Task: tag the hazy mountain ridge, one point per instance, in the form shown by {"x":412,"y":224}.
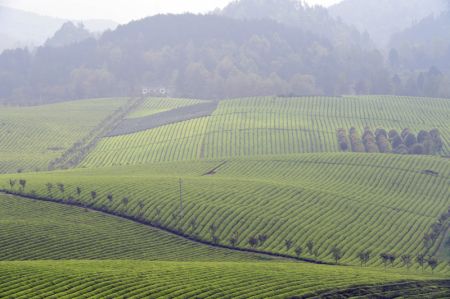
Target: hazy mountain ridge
{"x":69,"y":34}
{"x":424,"y":45}
{"x":26,"y":29}
{"x":295,"y":13}
{"x":383,"y":18}
{"x":196,"y":56}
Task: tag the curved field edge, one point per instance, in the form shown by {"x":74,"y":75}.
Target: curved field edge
{"x":357,"y":202}
{"x":36,"y":230}
{"x":139,"y":279}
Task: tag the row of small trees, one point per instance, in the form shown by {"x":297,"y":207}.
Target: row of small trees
{"x":259,"y":240}
{"x":406,"y":142}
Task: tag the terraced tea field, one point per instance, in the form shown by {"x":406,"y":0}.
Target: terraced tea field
{"x":139,"y":261}
{"x":273,"y":126}
{"x":141,"y":279}
{"x":33,"y":136}
{"x":32,"y":230}
{"x":384,"y":203}
{"x":237,"y":204}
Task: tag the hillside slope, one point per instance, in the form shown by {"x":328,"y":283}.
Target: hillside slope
{"x":34,"y":230}
{"x":273,"y":126}
{"x":33,"y":136}
{"x":384,"y":203}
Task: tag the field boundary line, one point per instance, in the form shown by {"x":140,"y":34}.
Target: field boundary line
{"x":168,"y":230}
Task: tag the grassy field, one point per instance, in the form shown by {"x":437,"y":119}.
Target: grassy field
{"x":273,"y":126}
{"x":141,"y":279}
{"x":33,"y":136}
{"x":383,"y":203}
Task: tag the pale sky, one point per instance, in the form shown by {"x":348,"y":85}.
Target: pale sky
{"x":121,"y":10}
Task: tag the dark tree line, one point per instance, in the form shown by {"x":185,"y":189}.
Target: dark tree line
{"x":336,"y":252}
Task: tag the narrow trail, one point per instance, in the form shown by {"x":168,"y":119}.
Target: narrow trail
{"x":145,"y":222}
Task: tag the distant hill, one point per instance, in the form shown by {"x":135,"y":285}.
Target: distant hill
{"x":193,"y":56}
{"x":382,"y":18}
{"x":68,"y":34}
{"x":314,"y":19}
{"x":425,"y":44}
{"x":26,"y":29}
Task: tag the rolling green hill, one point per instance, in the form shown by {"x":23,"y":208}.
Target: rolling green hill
{"x":272,"y":126}
{"x":33,"y":136}
{"x":262,"y":180}
{"x":379,"y":202}
{"x":115,"y":258}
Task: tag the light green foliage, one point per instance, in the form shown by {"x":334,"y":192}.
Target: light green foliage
{"x":273,"y":126}
{"x":377,"y":202}
{"x":156,"y":105}
{"x":33,"y":230}
{"x":140,"y":279}
{"x":30,"y":137}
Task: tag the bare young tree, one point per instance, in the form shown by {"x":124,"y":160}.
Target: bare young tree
{"x":78,"y":190}
{"x":288,"y":244}
{"x":23,"y":184}
{"x":253,"y":242}
{"x":337,"y":254}
{"x":12,"y":183}
{"x":262,"y":239}
{"x":420,"y":259}
{"x":406,"y":260}
{"x":298,"y":251}
{"x":433,"y":263}
{"x":364,"y":257}
{"x":310,"y":247}
{"x":49,"y":189}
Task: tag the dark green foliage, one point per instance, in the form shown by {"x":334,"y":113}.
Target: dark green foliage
{"x":344,"y":144}
{"x":355,"y":141}
{"x":368,"y":139}
{"x":410,"y":140}
{"x":418,"y":149}
{"x":426,"y":143}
